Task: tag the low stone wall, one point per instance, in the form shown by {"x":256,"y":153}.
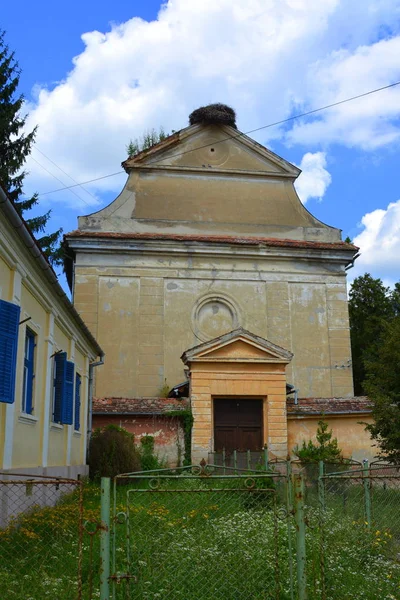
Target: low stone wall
{"x":352,"y":438}
{"x":167,"y":432}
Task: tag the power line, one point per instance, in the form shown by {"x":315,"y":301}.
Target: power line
{"x":83,"y":183}
{"x":65,"y":173}
{"x":55,"y":177}
{"x":240,"y":134}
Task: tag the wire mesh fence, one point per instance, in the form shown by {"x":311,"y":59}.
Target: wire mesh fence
{"x":40,"y":538}
{"x":202,"y":535}
{"x":212,"y":531}
{"x":359,"y":533}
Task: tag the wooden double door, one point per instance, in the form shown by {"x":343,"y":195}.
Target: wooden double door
{"x":238,"y":424}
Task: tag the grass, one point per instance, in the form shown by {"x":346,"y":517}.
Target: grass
{"x":215,"y":539}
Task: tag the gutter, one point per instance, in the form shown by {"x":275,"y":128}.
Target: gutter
{"x":136,"y":414}
{"x":92,"y":366}
{"x":28,"y":239}
{"x":41,"y":260}
{"x":329,"y":414}
{"x":351,"y":264}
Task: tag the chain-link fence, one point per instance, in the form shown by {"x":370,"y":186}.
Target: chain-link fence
{"x":359,"y":533}
{"x":322,"y":532}
{"x":201,"y":535}
{"x":40,"y":538}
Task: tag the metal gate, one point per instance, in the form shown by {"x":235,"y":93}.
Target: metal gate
{"x":198,"y":532}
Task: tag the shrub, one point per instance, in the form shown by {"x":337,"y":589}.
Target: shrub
{"x":325,"y":449}
{"x":112,"y":451}
{"x":149,"y":461}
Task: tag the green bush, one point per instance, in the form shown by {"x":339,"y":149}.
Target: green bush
{"x":149,"y":461}
{"x":325,"y":449}
{"x":112,"y":451}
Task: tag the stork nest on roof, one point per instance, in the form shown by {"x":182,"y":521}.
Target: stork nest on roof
{"x":213,"y":114}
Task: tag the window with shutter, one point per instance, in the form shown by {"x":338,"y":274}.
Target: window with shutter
{"x":67,"y":410}
{"x":9,"y":322}
{"x":77,"y":416}
{"x":63,"y":405}
{"x":60,"y":361}
{"x":29,"y":372}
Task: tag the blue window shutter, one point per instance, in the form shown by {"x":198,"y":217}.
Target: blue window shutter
{"x":67,"y":409}
{"x":77,"y":419}
{"x":29,"y":362}
{"x":60,"y":363}
{"x":9,"y":322}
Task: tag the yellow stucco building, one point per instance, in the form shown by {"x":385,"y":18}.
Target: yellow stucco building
{"x":209,"y":239}
{"x":47,"y":356}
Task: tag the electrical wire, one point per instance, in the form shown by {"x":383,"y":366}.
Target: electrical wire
{"x":55,"y":177}
{"x":65,"y":173}
{"x":240,"y":134}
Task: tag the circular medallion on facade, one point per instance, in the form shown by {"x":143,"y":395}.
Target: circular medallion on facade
{"x":213,"y":316}
{"x":215,"y":154}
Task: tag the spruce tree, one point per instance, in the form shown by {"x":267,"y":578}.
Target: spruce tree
{"x":15,"y":146}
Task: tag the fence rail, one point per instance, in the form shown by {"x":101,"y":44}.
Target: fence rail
{"x":283,"y":530}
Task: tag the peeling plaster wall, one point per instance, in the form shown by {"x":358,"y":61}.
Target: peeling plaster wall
{"x":147,"y":308}
{"x":167,"y":432}
{"x":148,"y":301}
{"x":352,"y":438}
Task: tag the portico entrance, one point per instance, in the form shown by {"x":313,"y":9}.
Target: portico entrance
{"x":238,"y":394}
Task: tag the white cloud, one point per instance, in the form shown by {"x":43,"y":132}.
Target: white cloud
{"x":314,"y":178}
{"x":368,"y":122}
{"x":267,"y":60}
{"x":379,"y":244}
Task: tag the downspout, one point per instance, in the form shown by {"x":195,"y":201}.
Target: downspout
{"x":90,"y":401}
{"x":351,"y":263}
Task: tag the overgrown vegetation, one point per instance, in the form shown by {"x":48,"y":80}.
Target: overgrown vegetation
{"x":325,"y":449}
{"x":187,"y":419}
{"x":383,"y":387}
{"x":214,"y":540}
{"x":375,"y":341}
{"x":147,"y":140}
{"x":15,"y":147}
{"x":148,"y":460}
{"x":113,"y":451}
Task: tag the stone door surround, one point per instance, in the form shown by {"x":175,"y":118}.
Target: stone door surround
{"x":238,"y":364}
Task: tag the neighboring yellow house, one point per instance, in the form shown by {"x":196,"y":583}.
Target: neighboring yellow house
{"x":209,"y":239}
{"x":47,"y":356}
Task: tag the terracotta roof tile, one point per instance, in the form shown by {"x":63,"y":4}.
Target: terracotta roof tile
{"x":218,"y":239}
{"x":319,"y":406}
{"x":126,"y":406}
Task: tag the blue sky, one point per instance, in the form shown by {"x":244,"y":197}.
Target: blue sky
{"x":136,"y":68}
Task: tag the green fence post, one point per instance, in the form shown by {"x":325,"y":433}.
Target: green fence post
{"x":266,"y":457}
{"x":299,"y":490}
{"x":367,"y":493}
{"x":321,"y":486}
{"x":321,"y":514}
{"x":105,"y":539}
{"x":235,"y":460}
{"x":289,"y":483}
{"x":289,"y":506}
{"x":248,"y":460}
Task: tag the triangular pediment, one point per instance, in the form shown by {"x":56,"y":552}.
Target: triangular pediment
{"x":214,"y":147}
{"x":238,"y":345}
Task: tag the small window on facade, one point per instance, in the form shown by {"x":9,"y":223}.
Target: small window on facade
{"x":29,"y":372}
{"x":77,"y":406}
{"x":63,"y":396}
